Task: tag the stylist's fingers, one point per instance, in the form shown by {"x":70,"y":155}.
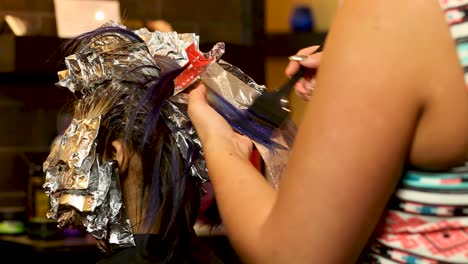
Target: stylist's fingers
{"x":304,"y":88}
{"x":311,"y":62}
{"x":206,"y":120}
{"x":197,"y":104}
{"x":309,"y":59}
{"x":198,"y":95}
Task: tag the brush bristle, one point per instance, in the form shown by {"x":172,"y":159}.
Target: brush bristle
{"x":244,"y":122}
{"x":268,"y":110}
{"x":272,"y":108}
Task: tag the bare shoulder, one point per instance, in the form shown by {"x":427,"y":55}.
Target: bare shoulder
{"x":387,"y":87}
{"x":406,"y":46}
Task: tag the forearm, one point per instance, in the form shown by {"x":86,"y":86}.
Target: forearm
{"x":244,"y":197}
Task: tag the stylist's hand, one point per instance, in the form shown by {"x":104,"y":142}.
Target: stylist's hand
{"x":212,"y":129}
{"x":310,"y":60}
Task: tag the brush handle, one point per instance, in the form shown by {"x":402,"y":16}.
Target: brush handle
{"x":285,"y":90}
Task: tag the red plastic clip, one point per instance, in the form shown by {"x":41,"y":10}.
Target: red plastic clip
{"x":198,"y":64}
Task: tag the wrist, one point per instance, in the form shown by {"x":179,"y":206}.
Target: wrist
{"x":225,"y":145}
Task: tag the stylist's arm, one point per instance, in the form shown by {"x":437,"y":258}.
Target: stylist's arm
{"x":227,"y":156}
{"x":355,"y":138}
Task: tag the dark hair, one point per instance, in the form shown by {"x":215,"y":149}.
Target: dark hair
{"x":130,"y":104}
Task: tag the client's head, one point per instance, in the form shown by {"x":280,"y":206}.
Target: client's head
{"x":119,"y":131}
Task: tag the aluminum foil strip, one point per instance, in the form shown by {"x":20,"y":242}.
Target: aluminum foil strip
{"x":239,"y":74}
{"x":90,"y":68}
{"x":107,"y":56}
{"x":231,"y":88}
{"x":84,"y":191}
{"x":170,"y":44}
{"x":64,"y":166}
{"x":175,"y":115}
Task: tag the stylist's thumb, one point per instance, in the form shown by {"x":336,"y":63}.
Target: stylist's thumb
{"x":197,"y":100}
{"x":197,"y":105}
{"x":197,"y":95}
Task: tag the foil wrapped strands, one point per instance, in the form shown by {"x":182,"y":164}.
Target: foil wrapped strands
{"x":84,"y":191}
{"x":80,"y":202}
{"x":239,"y":74}
{"x":234,"y":90}
{"x":112,"y":54}
{"x":169,"y":44}
{"x":92,"y":67}
{"x":176,"y":118}
{"x":64,"y":166}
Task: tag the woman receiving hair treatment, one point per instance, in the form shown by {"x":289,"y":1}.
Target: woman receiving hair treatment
{"x":119,"y":140}
{"x":130,"y":169}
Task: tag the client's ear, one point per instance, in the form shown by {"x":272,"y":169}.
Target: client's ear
{"x":120,"y":154}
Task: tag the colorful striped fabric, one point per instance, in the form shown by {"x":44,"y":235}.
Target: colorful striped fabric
{"x":427,"y":219}
{"x":453,"y":180}
{"x":456,"y":14}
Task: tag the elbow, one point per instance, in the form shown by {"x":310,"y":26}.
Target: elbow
{"x":266,"y":248}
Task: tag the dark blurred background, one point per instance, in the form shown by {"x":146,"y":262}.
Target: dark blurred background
{"x":33,"y":111}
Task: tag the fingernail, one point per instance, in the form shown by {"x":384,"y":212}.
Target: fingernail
{"x":298,"y":57}
{"x":309,"y":88}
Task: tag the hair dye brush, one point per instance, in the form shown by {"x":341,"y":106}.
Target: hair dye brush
{"x":272,"y":108}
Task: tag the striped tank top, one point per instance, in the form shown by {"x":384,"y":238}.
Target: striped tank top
{"x":427,"y":218}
